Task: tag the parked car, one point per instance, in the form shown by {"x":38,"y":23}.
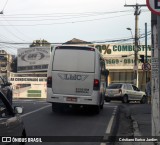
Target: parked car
{"x":6,"y":88}
{"x":11,"y":124}
{"x":125,"y":92}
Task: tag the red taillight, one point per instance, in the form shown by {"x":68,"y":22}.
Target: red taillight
{"x":96,"y":85}
{"x":92,"y":49}
{"x":49,"y":82}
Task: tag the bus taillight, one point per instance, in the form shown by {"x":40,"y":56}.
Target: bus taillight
{"x":49,"y":82}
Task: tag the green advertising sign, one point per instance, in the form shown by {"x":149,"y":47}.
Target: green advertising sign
{"x":109,"y":49}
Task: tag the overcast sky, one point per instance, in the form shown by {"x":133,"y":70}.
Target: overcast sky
{"x":58,"y":21}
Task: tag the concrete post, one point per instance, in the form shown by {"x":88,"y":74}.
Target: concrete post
{"x":155,"y":75}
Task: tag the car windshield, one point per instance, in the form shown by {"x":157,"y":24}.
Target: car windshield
{"x":115,"y":86}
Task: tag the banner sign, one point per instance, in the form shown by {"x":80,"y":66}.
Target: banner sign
{"x":120,"y":49}
{"x":33,"y":59}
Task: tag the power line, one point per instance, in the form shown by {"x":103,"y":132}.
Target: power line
{"x":33,"y":19}
{"x":66,"y":14}
{"x":36,"y":18}
{"x":69,"y":22}
{"x":114,"y":40}
{"x":5,"y":5}
{"x":17,"y":31}
{"x":12,"y":33}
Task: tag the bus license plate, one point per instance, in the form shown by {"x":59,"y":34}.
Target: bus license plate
{"x":71,"y":99}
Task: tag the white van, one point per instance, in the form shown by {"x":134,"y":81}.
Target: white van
{"x":76,"y":77}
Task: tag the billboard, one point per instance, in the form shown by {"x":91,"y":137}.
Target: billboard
{"x":29,"y":85}
{"x":33,"y":59}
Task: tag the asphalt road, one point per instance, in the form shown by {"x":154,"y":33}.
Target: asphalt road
{"x":70,"y":125}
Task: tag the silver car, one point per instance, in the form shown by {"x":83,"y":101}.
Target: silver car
{"x":125,"y":92}
{"x":11,"y":123}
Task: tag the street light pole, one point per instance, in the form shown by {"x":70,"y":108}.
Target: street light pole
{"x":130,"y":31}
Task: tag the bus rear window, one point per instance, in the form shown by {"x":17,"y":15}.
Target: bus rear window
{"x":73,"y":60}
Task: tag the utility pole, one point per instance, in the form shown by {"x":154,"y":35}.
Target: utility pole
{"x":136,"y":13}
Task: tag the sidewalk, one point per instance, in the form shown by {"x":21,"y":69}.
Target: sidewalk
{"x":135,"y":121}
{"x":29,"y":99}
{"x":141,"y":117}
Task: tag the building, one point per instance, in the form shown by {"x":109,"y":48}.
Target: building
{"x":30,"y":81}
{"x":5,"y":63}
{"x":120,"y":62}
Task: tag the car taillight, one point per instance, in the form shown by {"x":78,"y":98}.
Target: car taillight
{"x":49,"y":82}
{"x":96,"y":85}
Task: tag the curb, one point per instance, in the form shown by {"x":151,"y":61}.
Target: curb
{"x":137,"y":133}
{"x":123,"y":116}
{"x":29,"y":100}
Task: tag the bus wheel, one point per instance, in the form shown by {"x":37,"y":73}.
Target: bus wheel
{"x":55,"y":107}
{"x":96,"y":109}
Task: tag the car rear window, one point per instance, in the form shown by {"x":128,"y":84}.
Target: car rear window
{"x":76,"y":60}
{"x":115,"y":86}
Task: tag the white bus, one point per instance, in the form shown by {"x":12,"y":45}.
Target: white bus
{"x":76,"y":77}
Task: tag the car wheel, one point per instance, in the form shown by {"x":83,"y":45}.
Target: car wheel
{"x":125,"y":99}
{"x":143,"y":100}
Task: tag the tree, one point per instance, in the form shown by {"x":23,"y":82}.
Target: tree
{"x":37,"y":43}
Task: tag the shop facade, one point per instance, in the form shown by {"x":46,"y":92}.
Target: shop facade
{"x":120,"y":62}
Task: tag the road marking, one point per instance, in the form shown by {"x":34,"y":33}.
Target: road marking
{"x":35,"y":111}
{"x":110,"y":125}
{"x":103,"y":143}
{"x":111,"y":121}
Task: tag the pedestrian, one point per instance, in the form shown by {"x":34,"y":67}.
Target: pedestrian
{"x":148,"y":90}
